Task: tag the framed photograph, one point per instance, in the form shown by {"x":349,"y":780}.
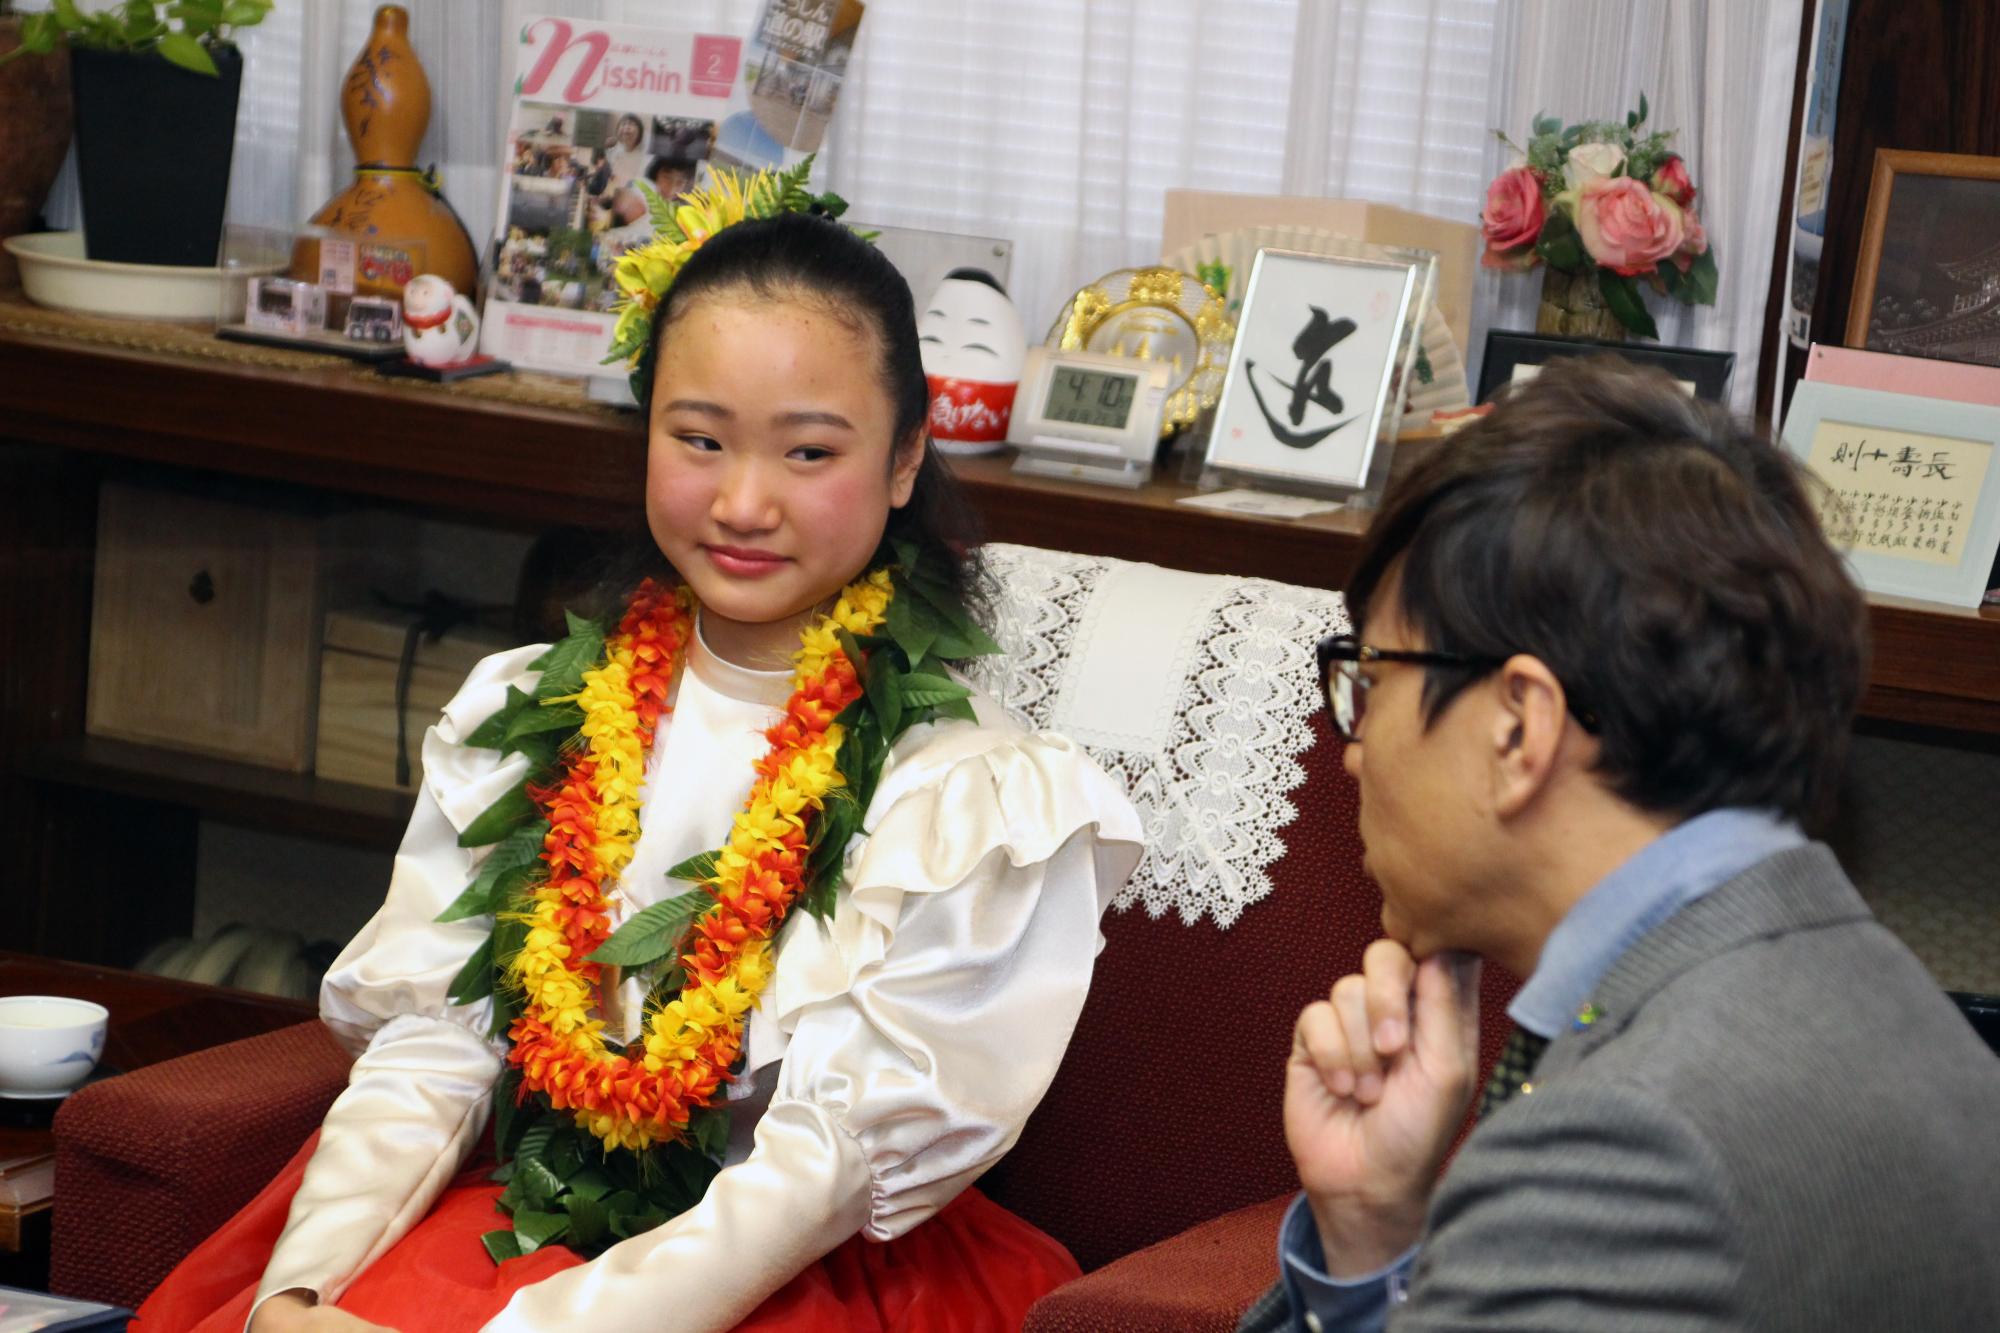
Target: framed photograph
{"x":1928,"y":278}
{"x":1317,"y":369}
{"x":1912,"y":487}
{"x":1512,"y":358}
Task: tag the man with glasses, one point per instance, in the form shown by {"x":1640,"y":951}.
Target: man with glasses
{"x":1602,"y":678}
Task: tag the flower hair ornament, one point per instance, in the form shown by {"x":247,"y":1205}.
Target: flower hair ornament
{"x":644,"y":273}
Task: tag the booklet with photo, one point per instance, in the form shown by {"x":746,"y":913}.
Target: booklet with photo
{"x":39,"y":1312}
{"x":799,"y":52}
{"x":597,"y":109}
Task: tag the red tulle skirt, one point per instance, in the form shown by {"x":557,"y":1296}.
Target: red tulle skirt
{"x":973,"y":1268}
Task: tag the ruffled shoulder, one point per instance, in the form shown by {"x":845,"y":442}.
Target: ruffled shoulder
{"x":462,"y":779}
{"x":952,"y":795}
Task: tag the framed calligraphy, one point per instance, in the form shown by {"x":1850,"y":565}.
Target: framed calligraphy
{"x":1512,"y":358}
{"x":1910,"y":487}
{"x":1318,"y":372}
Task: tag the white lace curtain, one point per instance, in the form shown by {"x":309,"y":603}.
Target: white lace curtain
{"x":1061,"y":123}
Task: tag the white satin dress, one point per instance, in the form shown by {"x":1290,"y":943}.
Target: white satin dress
{"x":895,"y":1056}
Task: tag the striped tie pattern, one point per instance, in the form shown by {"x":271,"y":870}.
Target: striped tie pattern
{"x":1516,"y":1066}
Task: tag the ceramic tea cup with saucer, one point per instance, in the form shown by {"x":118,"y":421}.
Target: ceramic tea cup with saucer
{"x":48,"y":1044}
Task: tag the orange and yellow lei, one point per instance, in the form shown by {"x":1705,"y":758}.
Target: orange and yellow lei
{"x":631,"y":1100}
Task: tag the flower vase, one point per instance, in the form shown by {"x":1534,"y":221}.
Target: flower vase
{"x":1572,"y":306}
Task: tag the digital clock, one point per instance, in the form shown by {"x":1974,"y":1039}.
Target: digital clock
{"x":1089,"y":415}
{"x":1080,"y":396}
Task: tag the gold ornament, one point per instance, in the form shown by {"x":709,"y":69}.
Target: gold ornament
{"x":1155,"y":314}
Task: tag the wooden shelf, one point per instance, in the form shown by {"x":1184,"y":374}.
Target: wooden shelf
{"x":247,"y":795}
{"x":347,"y":429}
{"x":343,"y":428}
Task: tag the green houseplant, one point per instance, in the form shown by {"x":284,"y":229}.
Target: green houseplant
{"x":186,"y":32}
{"x":156,"y":88}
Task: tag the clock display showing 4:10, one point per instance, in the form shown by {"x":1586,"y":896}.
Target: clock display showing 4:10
{"x":1090,"y":397}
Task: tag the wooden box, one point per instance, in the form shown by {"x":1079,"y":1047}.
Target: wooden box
{"x":204,"y":626}
{"x":357,"y":692}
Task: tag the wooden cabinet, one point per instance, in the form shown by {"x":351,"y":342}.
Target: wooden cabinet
{"x":85,"y":819}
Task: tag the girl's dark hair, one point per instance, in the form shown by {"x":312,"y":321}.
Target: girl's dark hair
{"x":805,"y":257}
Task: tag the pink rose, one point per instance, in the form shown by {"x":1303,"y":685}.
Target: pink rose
{"x":1694,"y":241}
{"x":1625,"y":226}
{"x":1670,"y":178}
{"x":1512,"y":219}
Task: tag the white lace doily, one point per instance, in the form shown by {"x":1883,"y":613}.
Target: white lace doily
{"x":1196,"y":691}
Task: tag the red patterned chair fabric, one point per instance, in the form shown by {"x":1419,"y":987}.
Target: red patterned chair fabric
{"x":149,"y":1164}
{"x":1167,"y":1109}
{"x":1158,"y":1156}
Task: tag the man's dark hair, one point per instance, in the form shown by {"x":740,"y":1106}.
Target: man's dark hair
{"x":1664,"y":562}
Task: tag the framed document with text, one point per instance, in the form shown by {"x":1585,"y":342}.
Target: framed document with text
{"x":1911,"y":487}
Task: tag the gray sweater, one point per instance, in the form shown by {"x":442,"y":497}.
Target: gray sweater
{"x":1779,"y":1122}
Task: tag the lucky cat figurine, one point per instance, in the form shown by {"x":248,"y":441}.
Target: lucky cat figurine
{"x":440,"y":327}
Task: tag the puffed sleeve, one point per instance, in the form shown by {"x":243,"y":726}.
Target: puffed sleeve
{"x":422,"y":1081}
{"x":917,"y":1030}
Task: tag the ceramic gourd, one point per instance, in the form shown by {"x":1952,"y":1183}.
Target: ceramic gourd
{"x":386,"y":104}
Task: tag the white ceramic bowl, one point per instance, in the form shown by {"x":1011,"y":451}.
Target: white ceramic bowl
{"x":48,"y":1044}
{"x":56,"y":273}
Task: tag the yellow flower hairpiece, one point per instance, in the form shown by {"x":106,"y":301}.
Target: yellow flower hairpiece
{"x":644,"y":273}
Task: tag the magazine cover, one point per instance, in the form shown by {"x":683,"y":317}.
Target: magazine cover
{"x":796,"y":66}
{"x":597,"y":109}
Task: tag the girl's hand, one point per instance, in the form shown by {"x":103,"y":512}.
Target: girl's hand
{"x":293,"y":1312}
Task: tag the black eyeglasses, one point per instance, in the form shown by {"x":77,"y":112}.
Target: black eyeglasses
{"x":1346,"y":689}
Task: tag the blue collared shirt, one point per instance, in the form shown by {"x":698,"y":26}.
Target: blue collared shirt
{"x":1664,"y":876}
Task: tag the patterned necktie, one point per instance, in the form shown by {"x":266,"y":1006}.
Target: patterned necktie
{"x":1516,"y":1066}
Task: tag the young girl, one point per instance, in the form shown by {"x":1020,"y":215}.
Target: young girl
{"x":890,"y":1050}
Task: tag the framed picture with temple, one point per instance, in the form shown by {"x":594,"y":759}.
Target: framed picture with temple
{"x":1927,"y":275}
{"x":1318,"y":373}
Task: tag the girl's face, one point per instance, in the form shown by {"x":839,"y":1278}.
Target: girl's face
{"x":628,"y":133}
{"x":769,"y":474}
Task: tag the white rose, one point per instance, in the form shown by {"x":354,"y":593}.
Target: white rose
{"x":1591,"y":161}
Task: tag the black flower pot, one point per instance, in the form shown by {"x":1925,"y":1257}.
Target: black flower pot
{"x":153,"y":143}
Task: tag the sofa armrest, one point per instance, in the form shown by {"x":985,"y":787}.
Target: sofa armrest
{"x":1200,"y":1281}
{"x":150,"y":1163}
